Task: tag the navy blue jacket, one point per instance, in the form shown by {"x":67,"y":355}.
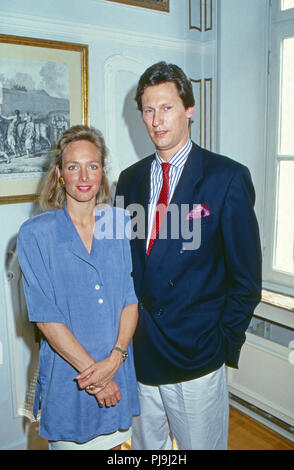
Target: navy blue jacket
{"x":195,"y":305}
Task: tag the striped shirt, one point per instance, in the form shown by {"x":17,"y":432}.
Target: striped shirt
{"x":177,"y":163}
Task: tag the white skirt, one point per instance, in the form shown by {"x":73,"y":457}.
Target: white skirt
{"x":102,"y":442}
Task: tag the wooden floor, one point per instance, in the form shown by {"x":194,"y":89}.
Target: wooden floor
{"x":246,"y":433}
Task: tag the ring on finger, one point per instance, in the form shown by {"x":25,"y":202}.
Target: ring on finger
{"x":90,"y":387}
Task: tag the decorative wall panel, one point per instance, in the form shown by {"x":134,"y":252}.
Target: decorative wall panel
{"x":208,"y":113}
{"x":208,"y":13}
{"x":195,"y":14}
{"x":125,"y":132}
{"x":23,"y":348}
{"x":197,"y":118}
{"x":202,"y":127}
{"x":201,"y":13}
{"x":260,"y":383}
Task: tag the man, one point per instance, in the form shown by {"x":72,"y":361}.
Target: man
{"x":195,"y":299}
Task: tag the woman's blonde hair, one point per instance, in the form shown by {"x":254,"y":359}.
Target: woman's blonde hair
{"x":52,"y":195}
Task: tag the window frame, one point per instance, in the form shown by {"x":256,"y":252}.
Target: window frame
{"x":281,"y":25}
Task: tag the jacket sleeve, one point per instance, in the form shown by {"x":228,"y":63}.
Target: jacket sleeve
{"x":120,"y":196}
{"x":242,"y":253}
{"x":38,"y":288}
{"x":130,"y":296}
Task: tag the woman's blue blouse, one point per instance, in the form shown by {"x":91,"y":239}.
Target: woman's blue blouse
{"x":63,"y":283}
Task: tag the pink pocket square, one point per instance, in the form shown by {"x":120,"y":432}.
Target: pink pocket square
{"x":200,"y":210}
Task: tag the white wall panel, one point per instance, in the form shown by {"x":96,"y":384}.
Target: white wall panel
{"x":265,"y":378}
{"x":125,"y":131}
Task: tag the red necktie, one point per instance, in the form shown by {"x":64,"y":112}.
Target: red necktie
{"x":161,"y":207}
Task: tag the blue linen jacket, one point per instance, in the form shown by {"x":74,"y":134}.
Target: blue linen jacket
{"x":63,"y":283}
{"x":195,"y":305}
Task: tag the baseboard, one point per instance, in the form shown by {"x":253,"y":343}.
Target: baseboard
{"x":272,"y":422}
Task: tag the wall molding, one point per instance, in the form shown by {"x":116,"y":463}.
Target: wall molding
{"x":208,"y":112}
{"x":204,"y":101}
{"x":35,"y":26}
{"x":198,"y":27}
{"x":208,"y":15}
{"x":112,"y":67}
{"x":197,"y":89}
{"x":204,"y":13}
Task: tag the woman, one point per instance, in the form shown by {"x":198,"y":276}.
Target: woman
{"x":80,"y":293}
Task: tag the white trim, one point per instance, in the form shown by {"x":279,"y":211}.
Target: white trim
{"x":259,"y":384}
{"x":35,"y":26}
{"x":268,"y":346}
{"x":275,"y":314}
{"x":112,"y":66}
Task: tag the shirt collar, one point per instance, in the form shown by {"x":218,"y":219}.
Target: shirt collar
{"x":179,"y":159}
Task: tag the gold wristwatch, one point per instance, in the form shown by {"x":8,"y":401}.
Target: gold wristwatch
{"x":123,"y":352}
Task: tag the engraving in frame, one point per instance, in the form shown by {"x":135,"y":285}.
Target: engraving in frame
{"x":44,"y":89}
{"x":162,"y":5}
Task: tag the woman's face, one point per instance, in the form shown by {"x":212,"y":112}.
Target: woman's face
{"x":82,"y":171}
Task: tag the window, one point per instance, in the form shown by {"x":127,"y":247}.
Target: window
{"x":279,"y":216}
{"x":287,"y":4}
{"x":284,"y":249}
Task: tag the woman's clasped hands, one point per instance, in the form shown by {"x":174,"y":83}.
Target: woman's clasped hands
{"x":98,"y":380}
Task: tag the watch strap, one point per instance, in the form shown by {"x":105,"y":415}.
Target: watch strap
{"x":123,"y":352}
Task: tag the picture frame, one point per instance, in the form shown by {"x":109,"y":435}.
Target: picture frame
{"x":43,"y":91}
{"x":162,"y":5}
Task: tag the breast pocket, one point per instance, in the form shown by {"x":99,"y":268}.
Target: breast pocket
{"x":195,"y":232}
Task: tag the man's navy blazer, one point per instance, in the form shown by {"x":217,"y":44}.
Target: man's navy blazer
{"x":195,"y":305}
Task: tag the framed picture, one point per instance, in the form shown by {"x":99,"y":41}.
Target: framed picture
{"x":162,"y":5}
{"x":43,"y":91}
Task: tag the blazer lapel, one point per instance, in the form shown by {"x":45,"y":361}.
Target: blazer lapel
{"x":142,"y":198}
{"x":192,"y":174}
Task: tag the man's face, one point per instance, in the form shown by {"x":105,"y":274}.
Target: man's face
{"x":166,"y":119}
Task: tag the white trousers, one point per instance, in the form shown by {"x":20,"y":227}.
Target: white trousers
{"x":195,"y":413}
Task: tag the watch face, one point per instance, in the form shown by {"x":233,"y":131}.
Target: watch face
{"x":122,"y":351}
